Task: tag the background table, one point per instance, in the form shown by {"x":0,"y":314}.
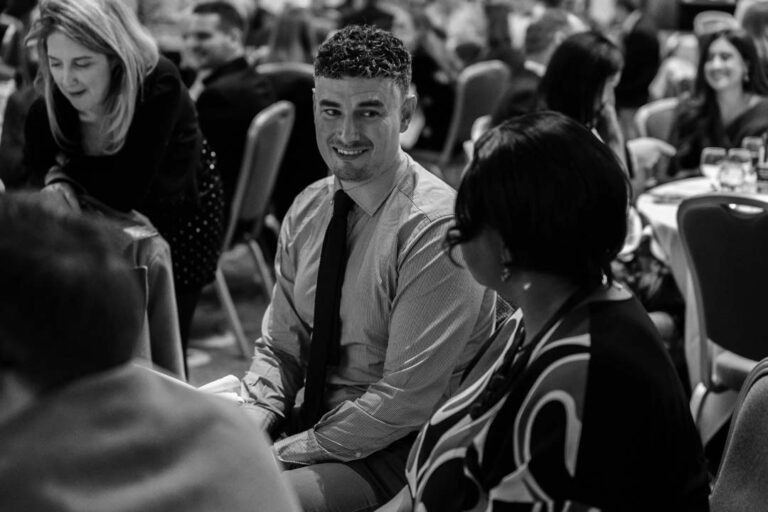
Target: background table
{"x":659,"y":206}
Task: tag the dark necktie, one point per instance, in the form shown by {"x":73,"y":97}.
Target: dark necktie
{"x":324,"y":348}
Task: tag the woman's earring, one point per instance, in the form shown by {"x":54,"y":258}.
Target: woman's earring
{"x":505,"y":274}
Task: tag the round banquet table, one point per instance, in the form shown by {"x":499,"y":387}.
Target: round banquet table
{"x":659,"y":206}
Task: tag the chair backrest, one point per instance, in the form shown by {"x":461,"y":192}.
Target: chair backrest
{"x":707,"y":22}
{"x":725,"y":238}
{"x":655,"y":119}
{"x":478,"y":89}
{"x":264,"y":148}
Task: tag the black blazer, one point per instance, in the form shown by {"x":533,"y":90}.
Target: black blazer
{"x":156,"y":168}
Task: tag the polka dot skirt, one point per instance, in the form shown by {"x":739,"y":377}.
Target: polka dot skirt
{"x":195,"y":235}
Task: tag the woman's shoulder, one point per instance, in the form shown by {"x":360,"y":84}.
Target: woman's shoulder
{"x":164,"y":79}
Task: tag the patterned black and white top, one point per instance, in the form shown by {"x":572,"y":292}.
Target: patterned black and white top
{"x":593,"y":418}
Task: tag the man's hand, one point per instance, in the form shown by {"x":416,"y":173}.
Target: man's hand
{"x":61,"y":198}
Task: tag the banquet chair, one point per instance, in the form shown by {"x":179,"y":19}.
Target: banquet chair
{"x":725,"y":240}
{"x":479,"y":88}
{"x":264,"y":148}
{"x":739,"y":484}
{"x":302,"y":164}
{"x":655,"y":119}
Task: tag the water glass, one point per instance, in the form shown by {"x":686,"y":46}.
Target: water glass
{"x":755,"y":147}
{"x":744,"y":158}
{"x":711,"y":160}
{"x":731,"y":176}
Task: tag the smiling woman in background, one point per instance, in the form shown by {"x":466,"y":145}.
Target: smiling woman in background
{"x":729,"y":101}
{"x":116,"y":123}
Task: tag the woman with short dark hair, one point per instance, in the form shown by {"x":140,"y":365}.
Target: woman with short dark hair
{"x":574,"y":403}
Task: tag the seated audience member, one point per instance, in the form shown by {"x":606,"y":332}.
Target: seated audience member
{"x":164,"y":20}
{"x":729,"y":100}
{"x":81,"y":427}
{"x":542,"y":37}
{"x":293,"y":38}
{"x":574,"y":403}
{"x":229,"y":91}
{"x":378,"y":344}
{"x":642,"y":55}
{"x":677,"y":71}
{"x":12,"y":138}
{"x":580,"y":82}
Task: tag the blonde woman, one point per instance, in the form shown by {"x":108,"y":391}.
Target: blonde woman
{"x":116,"y":123}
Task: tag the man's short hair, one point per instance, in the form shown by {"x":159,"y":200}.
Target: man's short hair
{"x":364,"y":52}
{"x":69,"y":304}
{"x":541,"y":33}
{"x":229,"y":17}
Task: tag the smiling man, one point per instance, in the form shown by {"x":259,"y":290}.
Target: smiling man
{"x":379,"y":331}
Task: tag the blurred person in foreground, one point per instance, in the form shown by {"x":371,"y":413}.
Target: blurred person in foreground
{"x":81,"y":427}
{"x":574,"y":403}
{"x":384,"y":343}
{"x":116,"y":124}
{"x":729,"y":102}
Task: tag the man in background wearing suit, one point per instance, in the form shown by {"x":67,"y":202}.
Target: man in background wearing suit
{"x":228,"y":91}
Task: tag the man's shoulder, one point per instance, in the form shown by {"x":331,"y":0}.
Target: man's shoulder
{"x":424,"y":194}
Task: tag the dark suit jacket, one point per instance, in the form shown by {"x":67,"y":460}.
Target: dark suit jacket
{"x":519,"y":98}
{"x":234,"y":93}
{"x":641,"y":63}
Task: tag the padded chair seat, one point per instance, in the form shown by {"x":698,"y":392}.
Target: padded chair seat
{"x":731,"y":370}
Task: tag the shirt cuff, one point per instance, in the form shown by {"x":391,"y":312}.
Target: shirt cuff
{"x":302,"y":449}
{"x":265,"y":419}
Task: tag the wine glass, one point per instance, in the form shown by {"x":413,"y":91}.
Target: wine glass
{"x":742,"y":156}
{"x":755,"y":147}
{"x":711,"y":160}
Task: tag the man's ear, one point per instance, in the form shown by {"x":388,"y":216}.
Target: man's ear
{"x":406,"y":111}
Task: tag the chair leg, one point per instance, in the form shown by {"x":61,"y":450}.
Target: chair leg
{"x":262,"y":267}
{"x":222,"y":290}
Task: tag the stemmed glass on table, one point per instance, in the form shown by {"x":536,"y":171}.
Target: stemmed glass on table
{"x":712,"y":160}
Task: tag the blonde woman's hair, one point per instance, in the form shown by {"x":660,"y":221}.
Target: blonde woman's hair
{"x":107,"y":27}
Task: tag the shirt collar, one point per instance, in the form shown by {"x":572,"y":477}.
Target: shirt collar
{"x":369,"y":195}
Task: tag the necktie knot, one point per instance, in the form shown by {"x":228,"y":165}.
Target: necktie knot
{"x":342,"y":203}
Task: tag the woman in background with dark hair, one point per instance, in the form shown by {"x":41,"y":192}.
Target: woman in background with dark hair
{"x":580,"y":81}
{"x":574,"y":403}
{"x":729,"y":100}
